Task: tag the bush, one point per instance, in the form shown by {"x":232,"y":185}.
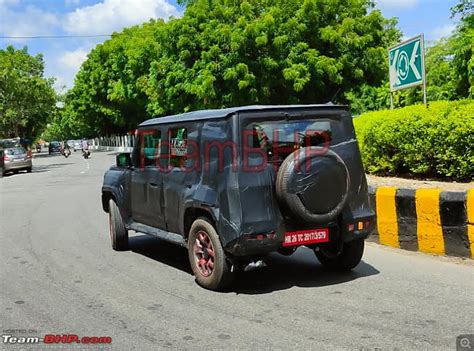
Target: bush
{"x":437,"y":141}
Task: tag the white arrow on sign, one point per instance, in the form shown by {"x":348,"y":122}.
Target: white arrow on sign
{"x":412,"y":61}
{"x":393,"y":69}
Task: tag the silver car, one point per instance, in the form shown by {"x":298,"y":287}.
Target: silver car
{"x":16,"y":159}
{"x":77,"y":145}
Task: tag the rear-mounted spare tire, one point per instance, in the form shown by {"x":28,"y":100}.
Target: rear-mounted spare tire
{"x":312,"y":184}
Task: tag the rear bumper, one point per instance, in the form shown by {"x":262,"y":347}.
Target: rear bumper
{"x":256,"y":244}
{"x":12,"y":165}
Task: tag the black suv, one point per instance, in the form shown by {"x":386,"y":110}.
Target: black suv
{"x":234,"y":184}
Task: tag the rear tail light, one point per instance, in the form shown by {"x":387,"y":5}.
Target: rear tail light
{"x":360,"y":226}
{"x":29,"y":154}
{"x":260,"y":236}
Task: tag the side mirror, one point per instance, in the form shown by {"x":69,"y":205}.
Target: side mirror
{"x":123,"y":160}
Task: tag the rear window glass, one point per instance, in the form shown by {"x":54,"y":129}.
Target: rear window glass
{"x":299,"y":133}
{"x":15,"y":151}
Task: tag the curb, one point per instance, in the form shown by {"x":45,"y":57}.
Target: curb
{"x":426,"y":220}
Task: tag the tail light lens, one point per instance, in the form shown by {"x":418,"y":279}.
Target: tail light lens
{"x":5,"y":157}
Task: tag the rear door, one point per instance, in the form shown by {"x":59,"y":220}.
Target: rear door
{"x":146,"y":182}
{"x":182,"y":151}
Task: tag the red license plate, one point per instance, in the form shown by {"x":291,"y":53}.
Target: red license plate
{"x":306,"y":237}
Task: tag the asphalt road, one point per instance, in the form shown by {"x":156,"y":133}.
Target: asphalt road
{"x":59,"y":275}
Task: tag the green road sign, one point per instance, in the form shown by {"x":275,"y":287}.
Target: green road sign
{"x":407,"y":64}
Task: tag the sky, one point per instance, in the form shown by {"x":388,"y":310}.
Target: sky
{"x":63,"y":57}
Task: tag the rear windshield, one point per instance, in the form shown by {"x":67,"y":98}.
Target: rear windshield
{"x":279,"y":136}
{"x":15,"y":151}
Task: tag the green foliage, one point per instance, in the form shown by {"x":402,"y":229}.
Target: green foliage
{"x":27,"y":99}
{"x":449,"y":71}
{"x":109,"y":90}
{"x":463,"y":61}
{"x":223,"y":53}
{"x":436,"y":142}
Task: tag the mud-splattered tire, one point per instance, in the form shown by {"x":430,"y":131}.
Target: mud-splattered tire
{"x":118,"y":232}
{"x":207,"y":257}
{"x":349,"y":257}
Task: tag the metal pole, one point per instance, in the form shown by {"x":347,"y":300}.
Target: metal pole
{"x":424,"y":69}
{"x":391,"y":101}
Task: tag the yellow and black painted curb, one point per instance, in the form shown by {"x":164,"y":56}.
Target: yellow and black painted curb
{"x":426,"y":220}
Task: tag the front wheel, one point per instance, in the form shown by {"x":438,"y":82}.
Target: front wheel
{"x":347,"y":258}
{"x":118,"y":232}
{"x":207,"y":257}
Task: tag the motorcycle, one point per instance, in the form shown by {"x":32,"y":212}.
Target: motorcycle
{"x":66,"y":152}
{"x":86,"y":153}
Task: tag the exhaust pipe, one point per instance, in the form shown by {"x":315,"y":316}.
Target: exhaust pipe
{"x":254,"y":265}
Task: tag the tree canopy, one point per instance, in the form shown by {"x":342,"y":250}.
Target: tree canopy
{"x":223,"y":53}
{"x":27,"y":99}
{"x":449,"y":70}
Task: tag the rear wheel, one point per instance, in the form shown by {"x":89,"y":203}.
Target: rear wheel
{"x":344,"y":259}
{"x":118,"y":232}
{"x":28,"y":170}
{"x":207,"y":257}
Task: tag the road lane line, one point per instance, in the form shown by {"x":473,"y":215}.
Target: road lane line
{"x":387,"y":224}
{"x":429,"y":230}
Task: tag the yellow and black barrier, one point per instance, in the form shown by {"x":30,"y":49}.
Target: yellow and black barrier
{"x":425,"y":220}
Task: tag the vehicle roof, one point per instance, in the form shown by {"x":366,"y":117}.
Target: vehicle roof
{"x":220,"y":113}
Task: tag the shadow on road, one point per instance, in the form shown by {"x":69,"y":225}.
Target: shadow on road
{"x":45,"y":154}
{"x":37,"y":169}
{"x":46,"y":168}
{"x":302,"y":269}
{"x":161,"y":251}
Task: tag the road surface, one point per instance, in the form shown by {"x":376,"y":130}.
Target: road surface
{"x":59,"y":275}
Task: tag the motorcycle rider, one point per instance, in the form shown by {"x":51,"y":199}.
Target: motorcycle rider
{"x":65,"y":150}
{"x":85,"y":148}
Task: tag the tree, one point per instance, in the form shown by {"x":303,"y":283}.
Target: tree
{"x":225,"y":53}
{"x":109,"y":90}
{"x":221,"y":53}
{"x":27,"y":99}
{"x":462,"y":43}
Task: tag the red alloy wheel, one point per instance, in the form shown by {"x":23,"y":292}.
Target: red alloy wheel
{"x":204,"y":253}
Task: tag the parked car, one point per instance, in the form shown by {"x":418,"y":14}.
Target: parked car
{"x":16,"y":159}
{"x":77,"y":145}
{"x":54,"y":146}
{"x":235,"y":184}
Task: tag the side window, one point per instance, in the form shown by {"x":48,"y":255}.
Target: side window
{"x":178,"y":141}
{"x":150,"y":147}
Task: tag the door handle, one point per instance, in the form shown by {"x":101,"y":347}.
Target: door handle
{"x":154,"y":185}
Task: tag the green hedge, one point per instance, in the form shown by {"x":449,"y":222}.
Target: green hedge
{"x":437,"y":141}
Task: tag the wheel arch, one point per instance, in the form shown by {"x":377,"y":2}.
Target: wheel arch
{"x":106,"y":196}
{"x":193,"y":213}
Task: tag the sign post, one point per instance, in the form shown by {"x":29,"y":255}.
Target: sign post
{"x":407,"y":66}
